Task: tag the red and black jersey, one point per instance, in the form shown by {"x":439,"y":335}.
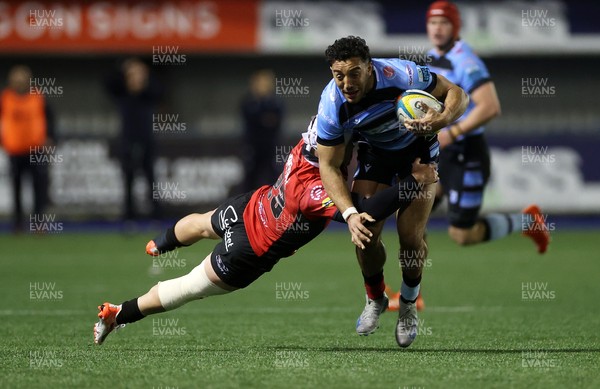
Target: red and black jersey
{"x":281,"y":218}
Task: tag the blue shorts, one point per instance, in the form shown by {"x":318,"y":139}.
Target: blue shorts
{"x":389,"y":166}
{"x":464,"y":172}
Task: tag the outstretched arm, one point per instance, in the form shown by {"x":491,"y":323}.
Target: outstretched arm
{"x":398,"y":197}
{"x":331,"y":158}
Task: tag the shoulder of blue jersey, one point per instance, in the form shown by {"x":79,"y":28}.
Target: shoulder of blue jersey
{"x":399,"y":72}
{"x":329,"y":104}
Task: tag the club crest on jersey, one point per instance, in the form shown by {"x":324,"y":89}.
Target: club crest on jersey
{"x":389,"y":72}
{"x":327,"y":202}
{"x":317,"y":192}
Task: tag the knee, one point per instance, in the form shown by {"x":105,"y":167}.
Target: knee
{"x":154,"y":289}
{"x":193,"y":286}
{"x":412,"y":241}
{"x":374,"y":244}
{"x":460,"y":236}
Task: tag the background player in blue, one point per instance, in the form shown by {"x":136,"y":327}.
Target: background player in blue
{"x":360,"y":101}
{"x":465,"y":161}
{"x":464,"y":157}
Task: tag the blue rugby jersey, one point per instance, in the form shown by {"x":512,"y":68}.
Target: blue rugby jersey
{"x":464,"y":68}
{"x":374,"y":116}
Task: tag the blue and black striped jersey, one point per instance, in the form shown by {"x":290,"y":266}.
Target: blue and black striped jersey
{"x":374,"y":116}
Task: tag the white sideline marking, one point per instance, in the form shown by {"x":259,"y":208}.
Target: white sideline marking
{"x":465,"y":308}
{"x":34,"y":312}
{"x":65,"y":312}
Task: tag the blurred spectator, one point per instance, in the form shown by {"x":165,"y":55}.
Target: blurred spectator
{"x":26,"y":127}
{"x":262,"y":113}
{"x":137,"y":94}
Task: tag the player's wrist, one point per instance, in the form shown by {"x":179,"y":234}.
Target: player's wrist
{"x":349,"y":212}
{"x":455,"y":131}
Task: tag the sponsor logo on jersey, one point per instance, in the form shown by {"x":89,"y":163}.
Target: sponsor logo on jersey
{"x":262,"y":214}
{"x":317,"y":192}
{"x":226,"y":218}
{"x":327,"y":202}
{"x":409,"y":72}
{"x":389,"y":72}
{"x":221,"y":265}
{"x":423,"y":74}
{"x":367,"y":167}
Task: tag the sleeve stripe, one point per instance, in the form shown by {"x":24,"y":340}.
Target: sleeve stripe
{"x":433,"y":84}
{"x":479,"y":83}
{"x":331,"y":142}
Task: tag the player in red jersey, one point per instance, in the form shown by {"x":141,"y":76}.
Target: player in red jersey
{"x":256,"y":229}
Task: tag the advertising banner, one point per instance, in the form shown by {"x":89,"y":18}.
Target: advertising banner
{"x":557,"y":172}
{"x":507,"y":27}
{"x":127,"y":26}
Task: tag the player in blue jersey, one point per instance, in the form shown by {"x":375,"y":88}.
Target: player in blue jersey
{"x":464,"y":158}
{"x":464,"y":161}
{"x":360,"y":102}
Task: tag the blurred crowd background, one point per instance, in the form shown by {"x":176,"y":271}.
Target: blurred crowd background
{"x":158,"y":108}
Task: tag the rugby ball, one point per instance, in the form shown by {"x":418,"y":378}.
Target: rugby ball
{"x":409,"y":104}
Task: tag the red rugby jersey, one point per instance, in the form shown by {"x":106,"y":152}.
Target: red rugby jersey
{"x":283,"y":217}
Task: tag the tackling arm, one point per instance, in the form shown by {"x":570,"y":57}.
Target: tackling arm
{"x":331,"y":158}
{"x":398,"y":197}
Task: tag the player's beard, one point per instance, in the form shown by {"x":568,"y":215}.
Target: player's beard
{"x":446,"y":47}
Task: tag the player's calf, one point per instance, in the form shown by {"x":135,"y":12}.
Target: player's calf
{"x":467,"y":236}
{"x":167,"y":295}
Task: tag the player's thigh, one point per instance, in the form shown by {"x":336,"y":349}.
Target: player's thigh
{"x":412,"y":222}
{"x":206,"y":226}
{"x":367,"y":188}
{"x":464,"y":176}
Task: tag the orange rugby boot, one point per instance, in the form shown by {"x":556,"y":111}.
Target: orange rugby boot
{"x":107,"y":323}
{"x":536,"y":228}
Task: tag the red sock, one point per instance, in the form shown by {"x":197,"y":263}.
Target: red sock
{"x":374,"y":285}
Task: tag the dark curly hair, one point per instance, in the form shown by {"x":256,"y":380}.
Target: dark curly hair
{"x":348,"y":47}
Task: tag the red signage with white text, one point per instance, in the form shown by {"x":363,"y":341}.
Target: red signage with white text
{"x":114,"y":26}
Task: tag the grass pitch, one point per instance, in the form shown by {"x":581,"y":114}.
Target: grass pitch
{"x":497,"y":315}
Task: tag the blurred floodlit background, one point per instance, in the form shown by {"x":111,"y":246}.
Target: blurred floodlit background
{"x":544,"y":57}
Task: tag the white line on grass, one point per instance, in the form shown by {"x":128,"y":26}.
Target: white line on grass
{"x":66,"y":312}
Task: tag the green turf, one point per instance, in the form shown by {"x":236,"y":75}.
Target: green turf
{"x":477,"y":331}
